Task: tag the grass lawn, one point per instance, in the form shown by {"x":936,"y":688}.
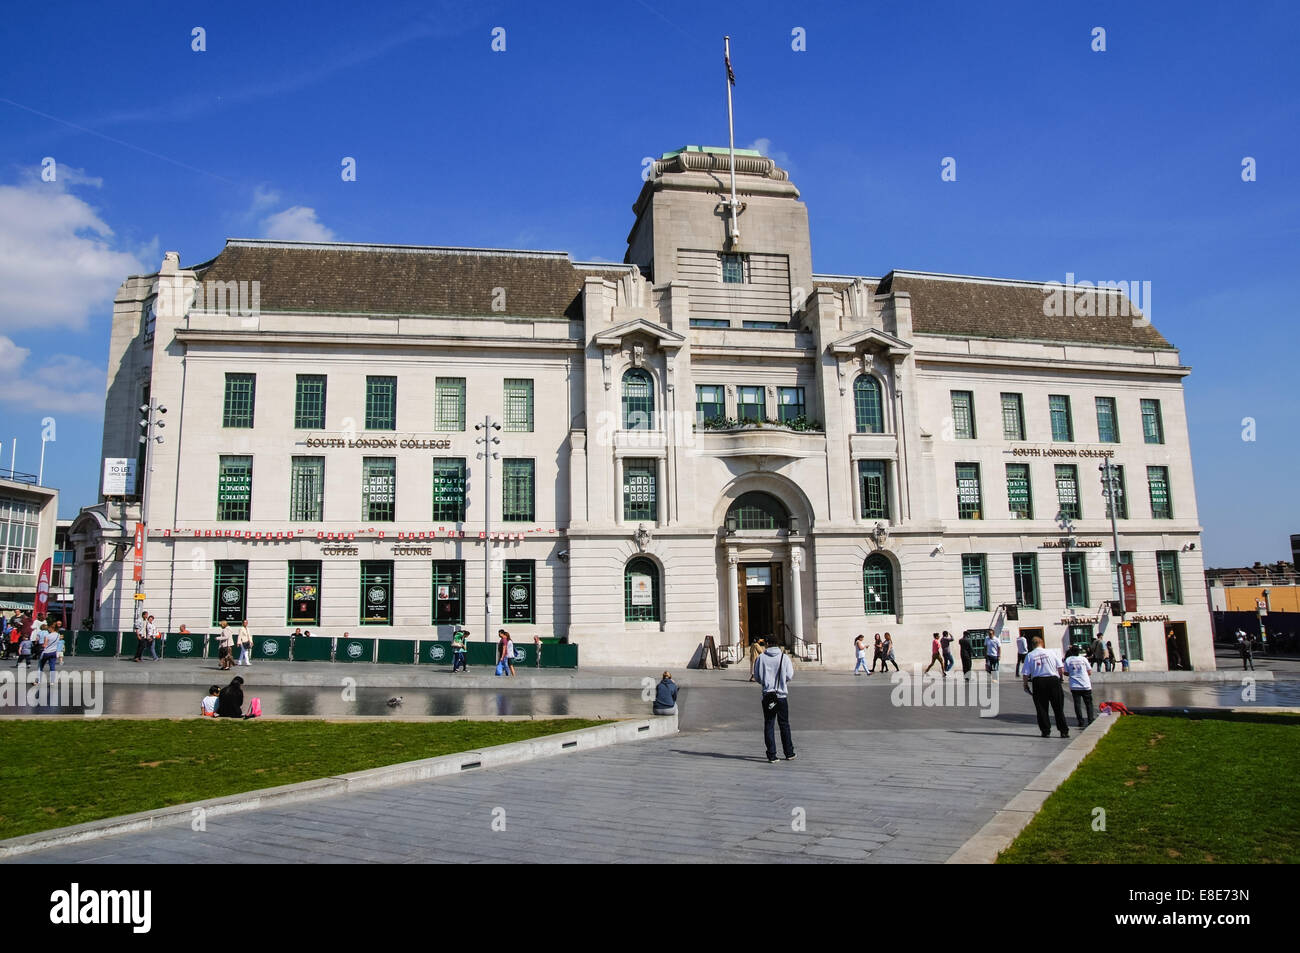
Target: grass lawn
{"x":58,"y":773}
{"x":1175,"y":791}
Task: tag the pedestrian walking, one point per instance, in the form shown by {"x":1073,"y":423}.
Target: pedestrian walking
{"x":151,"y":633}
{"x":245,"y":643}
{"x":992,"y":653}
{"x":537,"y":651}
{"x":224,"y":644}
{"x":946,"y":642}
{"x":936,"y":655}
{"x":1022,"y":649}
{"x":860,"y":651}
{"x":887,"y":653}
{"x":1171,"y":649}
{"x":45,"y":645}
{"x":755,"y":650}
{"x":967,"y":655}
{"x":141,"y":628}
{"x":458,"y":663}
{"x":877,"y":654}
{"x":506,"y":656}
{"x":773,"y":671}
{"x":1245,"y":645}
{"x":1098,"y":653}
{"x":1110,"y":657}
{"x":665,"y":702}
{"x":1042,"y":678}
{"x":1076,"y":668}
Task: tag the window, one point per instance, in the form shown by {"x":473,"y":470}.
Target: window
{"x":235,"y":489}
{"x":1081,"y":635}
{"x":733,"y":269}
{"x":229,"y":589}
{"x":974,"y":583}
{"x":710,"y":403}
{"x":19,"y":526}
{"x":710,"y":323}
{"x":639,"y":490}
{"x":449,"y":489}
{"x":517,"y":491}
{"x":307,"y":489}
{"x":1013,"y":417}
{"x":449,"y":404}
{"x":1062,"y":425}
{"x":376,"y":592}
{"x":976,"y":639}
{"x":756,"y":510}
{"x":877,"y":586}
{"x":379,"y":489}
{"x":237,"y":410}
{"x":517,"y":595}
{"x":1107,"y":421}
{"x":304,"y":593}
{"x":1158,"y":485}
{"x":765,"y":325}
{"x":1076,"y":580}
{"x":641,"y":591}
{"x":790,"y":404}
{"x":963,"y":415}
{"x":970,"y":500}
{"x":751,"y":403}
{"x":638,"y":400}
{"x":1020,"y":499}
{"x":1121,"y":500}
{"x":1125,"y":557}
{"x":1130,"y":642}
{"x":381,"y":403}
{"x":873,"y":488}
{"x":519,"y":405}
{"x":1024,"y":571}
{"x":449,"y":592}
{"x":1153,"y":427}
{"x":1171,"y":585}
{"x":1067,"y":491}
{"x":868,"y":408}
{"x":309,"y":402}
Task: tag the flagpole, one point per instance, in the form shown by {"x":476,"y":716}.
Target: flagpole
{"x":731,"y":134}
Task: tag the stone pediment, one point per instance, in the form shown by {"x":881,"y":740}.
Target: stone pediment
{"x":872,"y":339}
{"x":666,"y":339}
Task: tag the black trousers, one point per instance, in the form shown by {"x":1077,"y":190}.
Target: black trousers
{"x":1082,"y":697}
{"x":777,"y":714}
{"x":1047,"y":691}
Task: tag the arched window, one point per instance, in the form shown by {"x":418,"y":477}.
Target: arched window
{"x":867,"y":405}
{"x":641,"y":591}
{"x":878,"y":586}
{"x":757,"y":511}
{"x":638,"y":400}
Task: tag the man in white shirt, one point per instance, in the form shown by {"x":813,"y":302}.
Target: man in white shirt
{"x":1022,"y":649}
{"x":992,"y":653}
{"x":151,"y":633}
{"x":1042,"y":676}
{"x":1076,"y":668}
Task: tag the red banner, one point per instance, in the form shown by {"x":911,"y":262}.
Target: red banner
{"x":1130,"y":587}
{"x":139,"y":552}
{"x":43,"y":587}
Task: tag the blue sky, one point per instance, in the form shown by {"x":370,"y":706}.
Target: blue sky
{"x":1122,"y":164}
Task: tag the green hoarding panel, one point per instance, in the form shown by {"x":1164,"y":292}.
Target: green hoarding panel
{"x":397,"y":651}
{"x":97,"y":644}
{"x":355,"y":650}
{"x":272,"y":648}
{"x":312,"y":649}
{"x":128,"y":643}
{"x":183,"y":645}
{"x":435,"y":653}
{"x":481,"y":653}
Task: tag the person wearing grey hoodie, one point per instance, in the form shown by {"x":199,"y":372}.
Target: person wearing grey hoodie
{"x":773,"y":671}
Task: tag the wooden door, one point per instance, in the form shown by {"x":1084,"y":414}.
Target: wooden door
{"x":742,"y":601}
{"x":778,"y":603}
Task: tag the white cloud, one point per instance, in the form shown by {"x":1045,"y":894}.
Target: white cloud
{"x":764,"y":145}
{"x":59,"y":261}
{"x":59,"y":383}
{"x":296,"y":224}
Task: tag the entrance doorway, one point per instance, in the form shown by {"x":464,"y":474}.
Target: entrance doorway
{"x":762,"y":603}
{"x":1176,"y":648}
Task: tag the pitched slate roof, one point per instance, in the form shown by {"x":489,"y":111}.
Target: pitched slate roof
{"x":404,"y":279}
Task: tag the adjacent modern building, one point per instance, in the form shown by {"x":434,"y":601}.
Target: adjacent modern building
{"x":708,"y":442}
{"x":28,"y":512}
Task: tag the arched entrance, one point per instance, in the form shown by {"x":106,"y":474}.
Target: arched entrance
{"x":763,"y":560}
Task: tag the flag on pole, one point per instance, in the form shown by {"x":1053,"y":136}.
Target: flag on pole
{"x":731,"y":77}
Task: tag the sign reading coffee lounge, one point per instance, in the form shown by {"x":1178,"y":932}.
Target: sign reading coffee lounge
{"x":379,"y":443}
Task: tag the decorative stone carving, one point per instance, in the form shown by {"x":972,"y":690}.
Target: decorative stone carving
{"x":638,"y":355}
{"x":642,"y":537}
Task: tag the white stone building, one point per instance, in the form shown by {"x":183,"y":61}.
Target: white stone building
{"x":708,"y":441}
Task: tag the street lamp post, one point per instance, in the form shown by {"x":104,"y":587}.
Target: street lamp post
{"x":1108,"y":481}
{"x":151,"y":424}
{"x":487,"y":455}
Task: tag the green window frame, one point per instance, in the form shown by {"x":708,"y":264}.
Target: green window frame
{"x":519,"y":404}
{"x":1067,"y":491}
{"x":240,"y":399}
{"x":518,"y":587}
{"x":1062,"y":425}
{"x":970,"y":495}
{"x":1074,"y":567}
{"x":448,"y":596}
{"x":1153,"y":425}
{"x":1013,"y":417}
{"x":381,"y":403}
{"x":235,"y":489}
{"x":638,"y":400}
{"x":1107,"y":420}
{"x":1162,"y":504}
{"x":303,"y":593}
{"x":517,"y":485}
{"x":449,"y":489}
{"x":877,"y":586}
{"x":379,"y":489}
{"x":1130,"y":642}
{"x":1121,"y":495}
{"x":640,"y":496}
{"x":376,"y":592}
{"x":641,"y":613}
{"x":229,"y":590}
{"x":963,"y":414}
{"x":974,"y":573}
{"x":790,"y":404}
{"x":1171,"y":582}
{"x":449,"y":404}
{"x":309,"y":402}
{"x":873,"y":489}
{"x":868,"y":405}
{"x":307,"y":489}
{"x":1081,"y":635}
{"x":1020,"y":494}
{"x":710,"y":403}
{"x":758,"y":511}
{"x":733,"y":269}
{"x":751,"y":403}
{"x":1024,"y":573}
